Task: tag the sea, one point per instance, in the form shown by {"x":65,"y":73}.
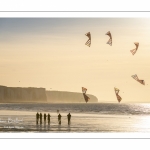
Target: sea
{"x":85,"y":117}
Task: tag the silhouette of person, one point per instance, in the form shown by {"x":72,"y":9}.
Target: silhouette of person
{"x":44,"y":118}
{"x":40,"y":118}
{"x":48,"y":118}
{"x":37,"y":118}
{"x":59,"y":119}
{"x":69,"y":117}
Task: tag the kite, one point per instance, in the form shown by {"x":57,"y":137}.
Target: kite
{"x":110,"y":40}
{"x":133,"y":51}
{"x":57,"y":111}
{"x":86,"y":98}
{"x":84,"y":90}
{"x":137,"y":79}
{"x":118,"y":97}
{"x":88,"y":43}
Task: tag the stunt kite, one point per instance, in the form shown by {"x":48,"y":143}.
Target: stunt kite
{"x":118,"y":97}
{"x":84,"y":90}
{"x":57,"y":111}
{"x":133,"y":51}
{"x":88,"y":43}
{"x":110,"y":40}
{"x":86,"y":98}
{"x":137,"y":79}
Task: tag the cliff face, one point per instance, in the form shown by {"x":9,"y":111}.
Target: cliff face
{"x":68,"y":97}
{"x":24,"y":95}
{"x":18,"y":94}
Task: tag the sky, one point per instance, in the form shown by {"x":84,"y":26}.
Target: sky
{"x":51,"y":53}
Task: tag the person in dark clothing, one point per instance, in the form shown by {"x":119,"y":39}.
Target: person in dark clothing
{"x":37,"y":118}
{"x":44,"y":118}
{"x":48,"y":118}
{"x":40,"y":118}
{"x":59,"y":119}
{"x":69,"y":117}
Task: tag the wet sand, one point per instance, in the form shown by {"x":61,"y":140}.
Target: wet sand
{"x":25,"y":121}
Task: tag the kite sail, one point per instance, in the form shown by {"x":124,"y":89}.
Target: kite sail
{"x":88,"y":43}
{"x":57,"y":111}
{"x":137,"y":79}
{"x":86,"y":98}
{"x":133,"y":51}
{"x":84,"y":90}
{"x":110,"y":40}
{"x":118,"y":97}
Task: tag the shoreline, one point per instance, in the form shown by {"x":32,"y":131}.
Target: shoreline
{"x":49,"y":102}
{"x":80,"y":123}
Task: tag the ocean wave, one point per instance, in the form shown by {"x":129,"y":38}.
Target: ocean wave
{"x":100,"y":108}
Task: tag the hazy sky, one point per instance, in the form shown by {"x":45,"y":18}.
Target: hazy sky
{"x":51,"y":53}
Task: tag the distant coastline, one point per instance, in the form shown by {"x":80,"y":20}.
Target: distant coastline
{"x":40,"y":95}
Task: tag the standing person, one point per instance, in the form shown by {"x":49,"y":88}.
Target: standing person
{"x":48,"y":118}
{"x":44,"y":118}
{"x":40,"y":118}
{"x":69,"y":117}
{"x":59,"y":119}
{"x":37,"y":118}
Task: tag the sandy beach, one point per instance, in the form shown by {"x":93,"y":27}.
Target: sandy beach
{"x":25,"y":121}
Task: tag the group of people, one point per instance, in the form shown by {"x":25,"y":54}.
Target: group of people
{"x":39,"y":118}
